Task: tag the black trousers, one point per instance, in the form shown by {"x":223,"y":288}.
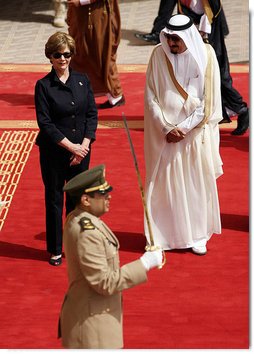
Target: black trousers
{"x":231,"y":98}
{"x":164,"y":12}
{"x":56,"y":171}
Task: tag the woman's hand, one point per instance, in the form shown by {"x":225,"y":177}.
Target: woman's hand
{"x":78,"y":151}
{"x":75,"y":160}
{"x":85,"y":144}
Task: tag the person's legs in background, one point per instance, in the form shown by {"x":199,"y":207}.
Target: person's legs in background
{"x":165,"y":9}
{"x":60,"y":8}
{"x":231,"y":98}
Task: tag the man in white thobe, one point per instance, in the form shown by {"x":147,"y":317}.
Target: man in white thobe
{"x":182,"y":111}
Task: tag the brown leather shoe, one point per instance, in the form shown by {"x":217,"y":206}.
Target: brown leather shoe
{"x":225,"y":120}
{"x":107,"y":104}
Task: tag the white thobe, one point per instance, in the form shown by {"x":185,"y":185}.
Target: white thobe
{"x":181,"y":191}
{"x":197,"y":7}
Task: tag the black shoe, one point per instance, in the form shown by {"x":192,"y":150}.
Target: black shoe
{"x":107,"y":104}
{"x":243,"y":110}
{"x":152,"y":38}
{"x":55,"y":262}
{"x":242,"y":123}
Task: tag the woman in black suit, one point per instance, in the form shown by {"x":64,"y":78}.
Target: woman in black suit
{"x":67,"y":118}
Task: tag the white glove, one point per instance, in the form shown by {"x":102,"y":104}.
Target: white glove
{"x":151,"y":259}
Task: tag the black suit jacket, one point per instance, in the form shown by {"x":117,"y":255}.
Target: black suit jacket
{"x":65,"y":110}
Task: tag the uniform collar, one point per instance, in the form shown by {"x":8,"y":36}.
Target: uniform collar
{"x":102,"y":227}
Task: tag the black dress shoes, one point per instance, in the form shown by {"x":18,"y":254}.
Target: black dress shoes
{"x":55,"y":261}
{"x":152,"y":38}
{"x":107,"y":104}
{"x":242,"y":122}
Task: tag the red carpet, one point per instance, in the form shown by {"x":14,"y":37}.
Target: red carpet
{"x":17,"y":90}
{"x":17,"y":96}
{"x":193,"y":302}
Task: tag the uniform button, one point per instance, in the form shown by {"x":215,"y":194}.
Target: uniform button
{"x":73,"y":116}
{"x":73,"y":130}
{"x":108,"y":310}
{"x":72,"y":103}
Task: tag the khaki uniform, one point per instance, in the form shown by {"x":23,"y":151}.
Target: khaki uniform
{"x":91,"y":315}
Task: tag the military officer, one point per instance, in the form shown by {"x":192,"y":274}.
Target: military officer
{"x":91,"y":314}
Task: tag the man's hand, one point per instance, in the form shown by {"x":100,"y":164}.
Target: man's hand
{"x":152,"y":259}
{"x":175,"y":135}
{"x":78,"y":3}
{"x":73,"y":2}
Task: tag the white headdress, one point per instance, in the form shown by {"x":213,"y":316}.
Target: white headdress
{"x":182,"y":26}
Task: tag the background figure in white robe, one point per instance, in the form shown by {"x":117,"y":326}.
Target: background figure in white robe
{"x":182,"y":111}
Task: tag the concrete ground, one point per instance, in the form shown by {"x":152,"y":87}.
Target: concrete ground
{"x":25,"y":26}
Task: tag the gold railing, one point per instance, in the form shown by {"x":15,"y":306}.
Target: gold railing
{"x":15,"y":147}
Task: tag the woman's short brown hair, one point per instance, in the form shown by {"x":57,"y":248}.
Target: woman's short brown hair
{"x":58,"y":41}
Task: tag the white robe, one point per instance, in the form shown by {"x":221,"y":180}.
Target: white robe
{"x":181,"y":191}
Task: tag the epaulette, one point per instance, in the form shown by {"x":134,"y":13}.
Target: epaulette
{"x":86,"y":224}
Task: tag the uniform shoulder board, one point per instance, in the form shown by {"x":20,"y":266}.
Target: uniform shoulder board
{"x":86,"y":224}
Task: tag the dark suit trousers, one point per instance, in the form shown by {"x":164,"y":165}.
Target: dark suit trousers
{"x":56,"y":171}
{"x":165,"y":10}
{"x":231,"y":98}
